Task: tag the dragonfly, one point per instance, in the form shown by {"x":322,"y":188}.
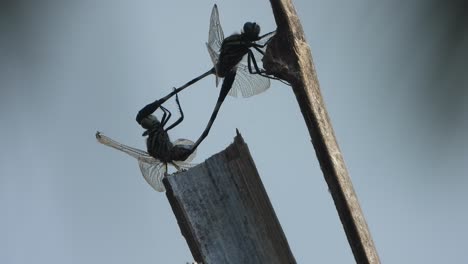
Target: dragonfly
{"x":234,"y":61}
{"x":161,"y":151}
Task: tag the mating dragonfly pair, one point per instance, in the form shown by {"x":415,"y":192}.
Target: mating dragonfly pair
{"x":234,"y":61}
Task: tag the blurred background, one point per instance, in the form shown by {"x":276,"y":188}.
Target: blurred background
{"x":392,"y":73}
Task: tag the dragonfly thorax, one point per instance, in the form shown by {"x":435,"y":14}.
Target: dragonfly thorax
{"x":159,"y":144}
{"x":251,"y":31}
{"x":233,"y":49}
{"x":149,"y":123}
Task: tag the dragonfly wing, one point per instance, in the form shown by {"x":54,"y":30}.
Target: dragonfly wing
{"x":215,"y":38}
{"x":153,"y":174}
{"x":134,"y":152}
{"x":247,"y":84}
{"x":215,"y":34}
{"x":188,"y":143}
{"x":152,"y":169}
{"x":214,"y":55}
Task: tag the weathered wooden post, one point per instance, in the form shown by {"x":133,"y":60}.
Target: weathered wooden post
{"x":288,"y":57}
{"x":224,"y":212}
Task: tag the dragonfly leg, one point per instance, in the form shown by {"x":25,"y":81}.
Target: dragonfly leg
{"x":251,"y":60}
{"x":249,"y":64}
{"x":150,"y":108}
{"x":227,"y":85}
{"x":176,"y":166}
{"x":181,"y":118}
{"x":165,"y":118}
{"x":257,"y":47}
{"x":264,"y":35}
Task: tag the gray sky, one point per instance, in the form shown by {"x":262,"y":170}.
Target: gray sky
{"x":392,"y":75}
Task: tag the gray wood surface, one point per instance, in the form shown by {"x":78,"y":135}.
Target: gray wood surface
{"x":224,"y":212}
{"x":288,"y":56}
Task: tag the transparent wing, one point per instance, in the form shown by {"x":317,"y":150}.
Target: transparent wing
{"x":153,"y":174}
{"x":215,"y":34}
{"x":134,"y":152}
{"x":247,"y":84}
{"x":189,"y":144}
{"x":152,"y":169}
{"x":215,"y":38}
{"x":214,"y":55}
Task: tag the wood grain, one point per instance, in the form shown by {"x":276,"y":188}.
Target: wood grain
{"x":288,"y":56}
{"x":224,"y":212}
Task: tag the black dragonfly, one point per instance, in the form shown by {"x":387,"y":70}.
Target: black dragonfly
{"x":234,"y":60}
{"x":161,"y":151}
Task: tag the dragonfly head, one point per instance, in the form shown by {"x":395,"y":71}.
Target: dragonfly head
{"x":251,"y":30}
{"x":149,"y":122}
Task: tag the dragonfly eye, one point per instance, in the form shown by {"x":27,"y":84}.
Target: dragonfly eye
{"x":252,"y":30}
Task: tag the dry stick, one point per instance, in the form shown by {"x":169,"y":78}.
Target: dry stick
{"x":288,"y":57}
{"x":224,"y":212}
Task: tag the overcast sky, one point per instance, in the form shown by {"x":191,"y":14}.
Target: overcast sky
{"x":393,"y":77}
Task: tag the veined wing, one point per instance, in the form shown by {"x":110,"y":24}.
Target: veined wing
{"x":247,"y":84}
{"x":154,"y":174}
{"x":215,"y":34}
{"x":152,"y":169}
{"x":134,"y":152}
{"x":215,"y":38}
{"x":214,"y":55}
